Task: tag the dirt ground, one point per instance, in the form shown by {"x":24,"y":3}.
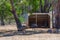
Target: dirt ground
{"x":28,"y":34}
{"x":8,"y":27}
{"x":44,"y":36}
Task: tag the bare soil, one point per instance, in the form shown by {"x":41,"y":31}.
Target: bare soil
{"x":30,"y":34}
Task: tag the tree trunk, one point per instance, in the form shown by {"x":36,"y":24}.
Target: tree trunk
{"x":2,"y":19}
{"x":58,"y":15}
{"x":19,"y":26}
{"x":46,"y":6}
{"x":41,"y":8}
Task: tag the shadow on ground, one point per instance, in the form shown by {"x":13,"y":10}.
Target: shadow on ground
{"x":13,"y":33}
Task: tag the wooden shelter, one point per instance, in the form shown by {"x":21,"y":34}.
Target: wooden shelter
{"x":39,"y":20}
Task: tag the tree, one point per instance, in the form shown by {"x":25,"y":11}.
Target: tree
{"x":45,"y":6}
{"x":2,"y":18}
{"x":58,"y":14}
{"x":2,"y":14}
{"x":41,"y":6}
{"x":19,"y":26}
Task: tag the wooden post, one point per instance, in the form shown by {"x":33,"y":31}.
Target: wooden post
{"x":50,"y":14}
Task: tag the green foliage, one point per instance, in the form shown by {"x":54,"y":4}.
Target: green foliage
{"x":30,"y":6}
